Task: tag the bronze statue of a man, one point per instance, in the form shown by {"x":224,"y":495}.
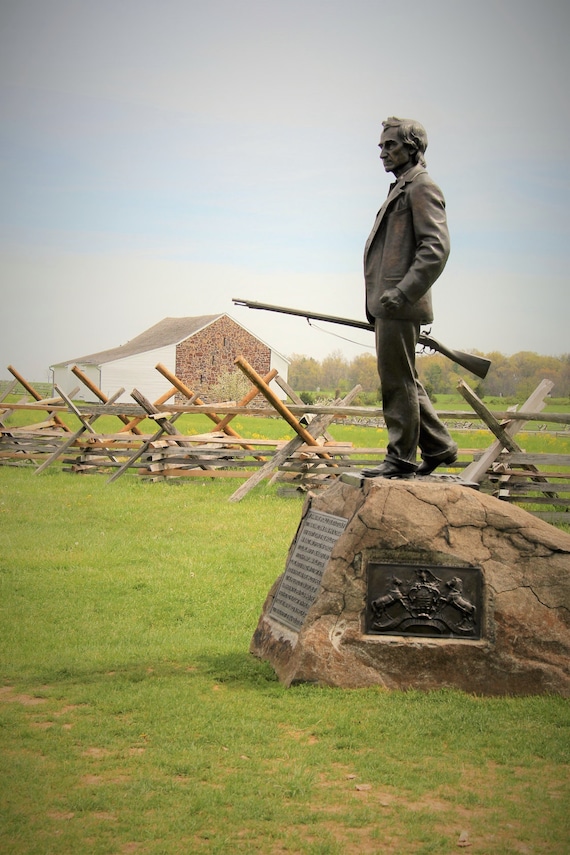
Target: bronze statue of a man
{"x":404,"y":255}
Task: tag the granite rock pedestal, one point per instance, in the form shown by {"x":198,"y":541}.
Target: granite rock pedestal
{"x":420,"y":585}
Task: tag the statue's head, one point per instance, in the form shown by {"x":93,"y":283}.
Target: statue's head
{"x":412,"y":134}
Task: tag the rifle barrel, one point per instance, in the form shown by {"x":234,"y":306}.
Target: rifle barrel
{"x":314,"y":316}
{"x":477,"y":365}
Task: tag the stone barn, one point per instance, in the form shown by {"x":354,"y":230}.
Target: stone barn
{"x":198,"y":350}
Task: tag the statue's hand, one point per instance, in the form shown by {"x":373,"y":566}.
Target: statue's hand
{"x":392,"y":300}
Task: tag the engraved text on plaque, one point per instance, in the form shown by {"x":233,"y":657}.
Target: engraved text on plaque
{"x":302,"y":578}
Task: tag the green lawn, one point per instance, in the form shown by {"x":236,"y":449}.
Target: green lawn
{"x":134,"y":720}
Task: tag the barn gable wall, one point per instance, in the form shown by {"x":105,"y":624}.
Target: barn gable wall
{"x":131,"y":372}
{"x":210,"y":352}
{"x":138,"y":372}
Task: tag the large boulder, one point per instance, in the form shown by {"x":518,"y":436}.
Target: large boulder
{"x":428,"y":585}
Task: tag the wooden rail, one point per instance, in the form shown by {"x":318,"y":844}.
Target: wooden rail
{"x":296,"y":409}
{"x":538,"y":482}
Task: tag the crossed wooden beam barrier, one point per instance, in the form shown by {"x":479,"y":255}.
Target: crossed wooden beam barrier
{"x":86,"y":425}
{"x":129,"y":424}
{"x":315,"y":428}
{"x":221,"y":424}
{"x":36,"y":395}
{"x":504,"y":430}
{"x":7,"y":410}
{"x":307,"y":435}
{"x":253,"y":393}
{"x":21,"y":434}
{"x":278,"y":405}
{"x":165,"y":423}
{"x":166,"y":420}
{"x":503,"y":433}
{"x":86,"y":422}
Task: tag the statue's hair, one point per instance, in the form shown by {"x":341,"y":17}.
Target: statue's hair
{"x":413,"y":134}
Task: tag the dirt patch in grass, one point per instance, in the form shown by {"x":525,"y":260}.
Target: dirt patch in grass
{"x":7,"y":695}
{"x":60,"y":815}
{"x":96,"y":752}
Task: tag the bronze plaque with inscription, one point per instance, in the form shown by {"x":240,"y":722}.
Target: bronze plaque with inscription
{"x":302,"y":578}
{"x":424,"y":600}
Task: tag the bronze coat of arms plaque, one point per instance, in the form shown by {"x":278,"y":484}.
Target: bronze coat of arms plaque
{"x":424,"y":600}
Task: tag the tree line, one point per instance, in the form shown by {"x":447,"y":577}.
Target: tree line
{"x":509,"y":376}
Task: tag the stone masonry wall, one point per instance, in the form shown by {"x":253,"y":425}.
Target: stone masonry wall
{"x":202,"y":358}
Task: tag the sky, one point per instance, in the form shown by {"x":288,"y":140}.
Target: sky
{"x":161,"y":157}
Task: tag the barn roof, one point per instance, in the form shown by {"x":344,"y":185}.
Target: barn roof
{"x":165,"y":332}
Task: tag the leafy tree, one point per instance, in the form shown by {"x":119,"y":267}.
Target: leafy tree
{"x":334,"y":371}
{"x":304,"y":372}
{"x":363,"y":371}
{"x":232,"y":385}
{"x":513,"y":376}
{"x":435,"y":374}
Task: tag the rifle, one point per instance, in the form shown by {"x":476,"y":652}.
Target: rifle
{"x":478,"y":365}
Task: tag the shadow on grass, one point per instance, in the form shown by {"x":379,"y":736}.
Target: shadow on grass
{"x":238,"y":667}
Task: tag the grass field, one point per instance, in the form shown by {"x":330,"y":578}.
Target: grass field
{"x":134,"y":720}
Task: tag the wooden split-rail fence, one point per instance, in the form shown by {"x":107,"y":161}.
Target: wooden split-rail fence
{"x":308,"y":461}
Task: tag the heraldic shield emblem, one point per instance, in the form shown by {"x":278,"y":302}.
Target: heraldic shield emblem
{"x":405,"y":599}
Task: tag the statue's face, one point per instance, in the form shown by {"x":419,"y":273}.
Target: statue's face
{"x":394,"y":154}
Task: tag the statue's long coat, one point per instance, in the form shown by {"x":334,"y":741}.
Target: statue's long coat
{"x":408,"y":247}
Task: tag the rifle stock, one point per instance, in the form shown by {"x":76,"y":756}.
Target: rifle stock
{"x":477,"y":365}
